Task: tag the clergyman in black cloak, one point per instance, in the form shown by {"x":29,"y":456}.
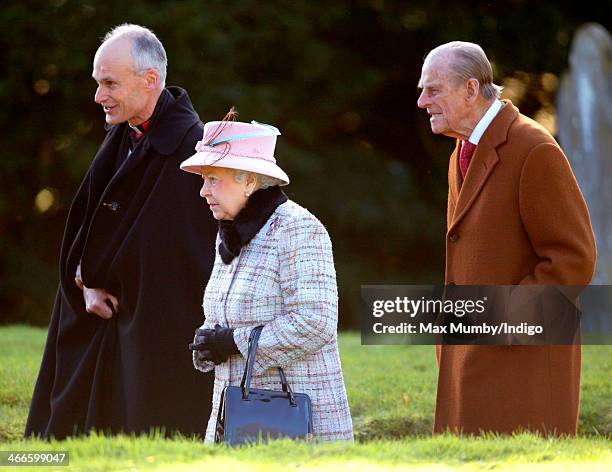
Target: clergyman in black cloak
{"x":143,"y":236}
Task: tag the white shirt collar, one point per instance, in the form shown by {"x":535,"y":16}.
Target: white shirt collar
{"x":485,"y":121}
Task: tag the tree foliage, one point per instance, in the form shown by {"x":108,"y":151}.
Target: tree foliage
{"x":337,"y":77}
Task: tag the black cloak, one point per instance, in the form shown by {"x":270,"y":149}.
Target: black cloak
{"x":144,"y":234}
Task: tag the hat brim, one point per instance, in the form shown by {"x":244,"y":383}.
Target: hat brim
{"x":201,"y":160}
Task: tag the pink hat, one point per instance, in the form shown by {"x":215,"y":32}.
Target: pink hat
{"x":236,"y":145}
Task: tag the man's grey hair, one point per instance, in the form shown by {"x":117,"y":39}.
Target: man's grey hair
{"x":469,"y":61}
{"x":263,"y":181}
{"x":147,"y":51}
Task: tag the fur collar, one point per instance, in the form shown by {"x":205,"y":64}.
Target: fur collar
{"x":238,"y":233}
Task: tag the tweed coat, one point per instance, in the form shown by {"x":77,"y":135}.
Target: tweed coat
{"x":285,"y":280}
{"x":518,"y":218}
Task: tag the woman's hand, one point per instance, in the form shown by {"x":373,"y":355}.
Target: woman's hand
{"x":215,"y":345}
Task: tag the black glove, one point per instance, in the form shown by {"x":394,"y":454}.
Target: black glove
{"x":215,"y":345}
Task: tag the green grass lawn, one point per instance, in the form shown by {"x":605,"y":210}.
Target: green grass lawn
{"x":391,"y":391}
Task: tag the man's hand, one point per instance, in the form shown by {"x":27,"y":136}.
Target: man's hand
{"x":97,"y":301}
{"x":77,"y":277}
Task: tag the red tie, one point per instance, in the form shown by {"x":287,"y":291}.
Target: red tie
{"x":137,"y":132}
{"x":467,"y":149}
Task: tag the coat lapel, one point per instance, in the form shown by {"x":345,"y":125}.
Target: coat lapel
{"x":483,"y":162}
{"x":133,"y":160}
{"x":103,"y":166}
{"x":172,"y":119}
{"x":454,"y":175}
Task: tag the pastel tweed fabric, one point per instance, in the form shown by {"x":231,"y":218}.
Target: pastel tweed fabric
{"x":285,"y":280}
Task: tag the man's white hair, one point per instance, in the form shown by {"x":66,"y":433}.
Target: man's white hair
{"x":147,"y":51}
{"x":469,"y":61}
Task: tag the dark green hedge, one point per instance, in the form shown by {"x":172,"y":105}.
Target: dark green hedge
{"x":337,"y":77}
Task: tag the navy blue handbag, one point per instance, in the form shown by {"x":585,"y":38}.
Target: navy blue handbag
{"x":248,"y":415}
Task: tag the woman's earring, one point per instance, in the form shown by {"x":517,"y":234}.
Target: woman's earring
{"x":247,"y":194}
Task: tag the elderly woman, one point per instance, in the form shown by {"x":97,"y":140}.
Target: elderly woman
{"x":274,"y":267}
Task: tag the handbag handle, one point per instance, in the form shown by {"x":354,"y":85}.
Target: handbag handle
{"x":245,"y":384}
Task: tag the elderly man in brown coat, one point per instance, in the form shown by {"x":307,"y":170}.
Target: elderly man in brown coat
{"x":515,"y":216}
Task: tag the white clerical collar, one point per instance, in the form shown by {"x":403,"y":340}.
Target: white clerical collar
{"x":485,"y":121}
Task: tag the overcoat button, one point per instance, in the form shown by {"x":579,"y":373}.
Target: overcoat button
{"x":453,"y":237}
{"x":113,"y":206}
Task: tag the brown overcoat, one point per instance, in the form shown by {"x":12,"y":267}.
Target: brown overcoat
{"x":518,"y":218}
